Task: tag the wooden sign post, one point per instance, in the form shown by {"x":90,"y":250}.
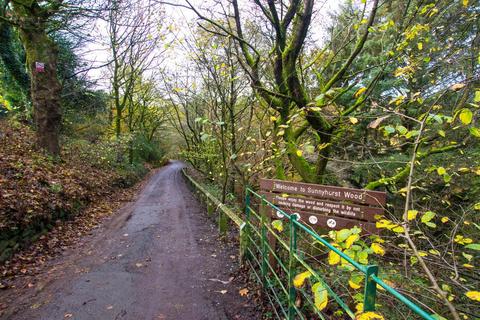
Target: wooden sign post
{"x":326,"y":207}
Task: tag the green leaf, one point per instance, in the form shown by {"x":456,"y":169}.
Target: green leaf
{"x":438,"y":317}
{"x":477,"y":95}
{"x":431,"y":224}
{"x":412,"y":134}
{"x":427,"y":216}
{"x":465,"y":116}
{"x":473,"y":246}
{"x":402,"y":129}
{"x":447,"y":178}
{"x":343,"y":234}
{"x":475,"y":132}
{"x":363,"y":257}
{"x":320,"y":295}
{"x":389,"y":129}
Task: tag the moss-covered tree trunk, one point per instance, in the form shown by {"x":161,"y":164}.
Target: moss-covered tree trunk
{"x":45,"y":88}
{"x":31,"y":20}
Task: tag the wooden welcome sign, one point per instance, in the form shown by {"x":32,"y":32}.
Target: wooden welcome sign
{"x":324,"y":206}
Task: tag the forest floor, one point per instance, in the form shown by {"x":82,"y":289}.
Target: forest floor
{"x":159,"y":257}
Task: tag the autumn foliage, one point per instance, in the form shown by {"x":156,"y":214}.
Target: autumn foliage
{"x":36,"y":190}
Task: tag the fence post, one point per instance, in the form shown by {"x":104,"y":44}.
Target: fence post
{"x":245,"y":228}
{"x":222,"y":221}
{"x":209,"y":208}
{"x":264,"y":242}
{"x":292,"y":292}
{"x":370,"y":289}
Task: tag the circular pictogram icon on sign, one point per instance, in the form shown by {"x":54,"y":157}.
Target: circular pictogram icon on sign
{"x":331,"y":223}
{"x":279,"y":214}
{"x":313,"y":219}
{"x":297,"y":215}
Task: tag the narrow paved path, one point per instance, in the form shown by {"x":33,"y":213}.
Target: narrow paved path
{"x":157,"y":259}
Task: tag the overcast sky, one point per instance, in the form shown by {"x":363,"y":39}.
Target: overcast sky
{"x":97,"y":54}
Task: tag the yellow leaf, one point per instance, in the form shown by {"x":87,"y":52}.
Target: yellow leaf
{"x":466,"y":116}
{"x":444,"y":219}
{"x":333,"y":258}
{"x":353,"y":285}
{"x":469,"y":266}
{"x":359,"y":92}
{"x":412,"y":214}
{"x":320,"y":296}
{"x":243,"y":292}
{"x":351,"y":240}
{"x":299,"y":153}
{"x":398,"y":229}
{"x":369,"y":316}
{"x":383,"y":224}
{"x":359,"y":307}
{"x":465,"y":3}
{"x":377,"y":248}
{"x":462,"y":240}
{"x":441,"y":171}
{"x":420,"y":46}
{"x":474,"y":295}
{"x":422,"y":253}
{"x":278,"y":225}
{"x":299,"y":279}
{"x":273,"y":118}
{"x":353,"y":120}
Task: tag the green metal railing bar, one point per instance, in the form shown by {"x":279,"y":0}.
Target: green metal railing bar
{"x":221,"y":206}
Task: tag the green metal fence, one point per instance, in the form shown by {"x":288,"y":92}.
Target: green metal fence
{"x":276,"y":257}
{"x":275,"y":266}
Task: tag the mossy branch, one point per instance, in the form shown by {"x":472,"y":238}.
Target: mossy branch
{"x":403,"y":174}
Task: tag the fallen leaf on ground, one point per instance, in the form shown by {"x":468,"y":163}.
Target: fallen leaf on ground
{"x":243,"y":292}
{"x":139,"y":265}
{"x":68,"y":315}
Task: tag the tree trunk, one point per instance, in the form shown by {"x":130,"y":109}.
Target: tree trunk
{"x":45,"y":87}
